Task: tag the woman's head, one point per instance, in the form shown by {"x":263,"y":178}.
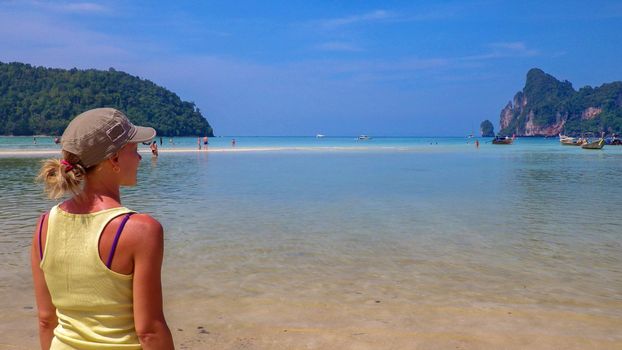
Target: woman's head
{"x":100,"y":143}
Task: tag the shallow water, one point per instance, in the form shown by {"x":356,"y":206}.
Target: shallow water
{"x":533,"y":226}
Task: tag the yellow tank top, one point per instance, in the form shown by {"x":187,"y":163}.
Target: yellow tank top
{"x":93,"y":303}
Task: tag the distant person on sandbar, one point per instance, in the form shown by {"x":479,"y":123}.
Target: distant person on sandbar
{"x":233,"y":143}
{"x":476,"y":143}
{"x":154,"y":149}
{"x":34,"y":140}
{"x":95,"y":263}
{"x":199,"y":142}
{"x":56,"y":140}
{"x":160,"y":140}
{"x":205,"y":142}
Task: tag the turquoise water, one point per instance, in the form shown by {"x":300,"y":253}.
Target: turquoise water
{"x":533,"y":224}
{"x":26,"y":143}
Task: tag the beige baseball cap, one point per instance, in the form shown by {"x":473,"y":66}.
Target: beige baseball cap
{"x":99,"y":133}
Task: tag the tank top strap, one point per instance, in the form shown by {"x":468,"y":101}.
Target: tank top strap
{"x":40,"y":234}
{"x":116,"y":239}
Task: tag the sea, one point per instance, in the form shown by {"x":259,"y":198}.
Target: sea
{"x":388,"y":234}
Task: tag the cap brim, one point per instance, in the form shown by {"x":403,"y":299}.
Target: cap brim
{"x":143,"y":134}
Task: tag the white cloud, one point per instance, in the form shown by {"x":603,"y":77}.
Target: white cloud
{"x":436,"y":12}
{"x":503,"y":50}
{"x":61,"y":6}
{"x":84,"y":7}
{"x":338,"y":46}
{"x":516,"y":46}
{"x":374,"y":16}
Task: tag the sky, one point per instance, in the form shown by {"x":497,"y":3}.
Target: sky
{"x":392,"y":68}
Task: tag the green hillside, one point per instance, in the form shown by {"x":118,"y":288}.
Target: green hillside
{"x":38,"y":100}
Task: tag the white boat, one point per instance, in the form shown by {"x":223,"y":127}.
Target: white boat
{"x":571,"y":141}
{"x":563,"y":138}
{"x":319,"y":136}
{"x":363,"y":138}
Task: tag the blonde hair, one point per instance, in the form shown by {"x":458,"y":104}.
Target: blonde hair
{"x":60,"y":179}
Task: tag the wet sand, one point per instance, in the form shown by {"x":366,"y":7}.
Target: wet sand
{"x":52,"y":152}
{"x":280,"y":324}
{"x":44,"y":152}
{"x":49,"y":152}
{"x":256,"y":323}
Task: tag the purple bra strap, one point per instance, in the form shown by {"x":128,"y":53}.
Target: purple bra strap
{"x":116,"y":240}
{"x":41,"y":229}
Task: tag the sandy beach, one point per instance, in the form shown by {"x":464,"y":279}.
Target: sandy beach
{"x":46,"y":152}
{"x":258,"y":323}
{"x":146,"y":152}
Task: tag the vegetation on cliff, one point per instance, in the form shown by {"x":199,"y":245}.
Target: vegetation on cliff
{"x":487,"y":129}
{"x":547,"y":106}
{"x":38,"y":100}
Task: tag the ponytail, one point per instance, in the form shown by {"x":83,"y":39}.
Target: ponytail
{"x":61,"y":176}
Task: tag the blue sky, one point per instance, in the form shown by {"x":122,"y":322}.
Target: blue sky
{"x":420,"y":68}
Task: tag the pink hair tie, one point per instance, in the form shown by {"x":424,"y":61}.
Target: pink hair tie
{"x":68,"y":166}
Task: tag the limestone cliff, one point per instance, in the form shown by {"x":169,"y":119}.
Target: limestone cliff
{"x":547,"y":106}
{"x":487,"y":129}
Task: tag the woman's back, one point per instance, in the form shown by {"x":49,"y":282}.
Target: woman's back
{"x":94,"y":303}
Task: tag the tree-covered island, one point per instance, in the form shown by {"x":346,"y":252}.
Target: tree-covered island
{"x":42,"y":101}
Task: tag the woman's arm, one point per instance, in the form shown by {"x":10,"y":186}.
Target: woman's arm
{"x":45,"y":309}
{"x":147,"y":241}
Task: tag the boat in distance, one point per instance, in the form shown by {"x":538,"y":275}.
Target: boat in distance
{"x":502,"y":140}
{"x":598,"y":144}
{"x":571,"y":141}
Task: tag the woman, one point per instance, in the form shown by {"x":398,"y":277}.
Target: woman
{"x":96,"y":264}
{"x":154,"y":149}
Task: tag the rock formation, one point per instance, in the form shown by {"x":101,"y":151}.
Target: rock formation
{"x":547,"y":106}
{"x":487,"y":129}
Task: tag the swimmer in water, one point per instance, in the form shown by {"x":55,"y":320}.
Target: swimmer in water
{"x":154,"y":149}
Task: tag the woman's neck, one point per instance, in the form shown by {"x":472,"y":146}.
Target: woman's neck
{"x":94,"y":197}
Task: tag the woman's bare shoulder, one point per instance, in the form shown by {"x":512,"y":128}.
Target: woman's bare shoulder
{"x":143,"y":229}
{"x":144,"y":221}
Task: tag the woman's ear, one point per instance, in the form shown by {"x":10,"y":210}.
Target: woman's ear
{"x":114,"y":160}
